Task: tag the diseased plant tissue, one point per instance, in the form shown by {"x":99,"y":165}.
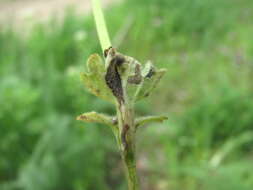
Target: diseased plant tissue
{"x":123,"y":81}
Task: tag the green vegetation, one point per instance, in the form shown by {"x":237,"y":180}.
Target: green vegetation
{"x":123,"y":81}
{"x":207,"y":94}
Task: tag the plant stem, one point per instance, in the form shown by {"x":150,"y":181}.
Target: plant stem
{"x":131,"y":174}
{"x":101,"y":25}
{"x":127,"y":143}
{"x":125,"y":112}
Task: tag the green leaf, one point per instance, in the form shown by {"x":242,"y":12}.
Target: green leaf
{"x":150,"y":81}
{"x":94,"y":79}
{"x":149,"y":119}
{"x":95,"y":64}
{"x":230,"y":146}
{"x":147,"y":67}
{"x":94,"y":117}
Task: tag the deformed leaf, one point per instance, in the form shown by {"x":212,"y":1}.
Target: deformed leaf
{"x":137,"y":77}
{"x":95,"y":64}
{"x":146,"y":70}
{"x":149,"y":83}
{"x":133,"y":82}
{"x":131,"y":90}
{"x":113,"y":78}
{"x":149,"y":119}
{"x":94,"y":79}
{"x":94,"y":117}
{"x":96,"y":86}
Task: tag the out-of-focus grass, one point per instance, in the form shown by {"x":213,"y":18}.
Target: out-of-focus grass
{"x":207,"y":94}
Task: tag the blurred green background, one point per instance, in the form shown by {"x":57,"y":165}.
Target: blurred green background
{"x":206,"y":144}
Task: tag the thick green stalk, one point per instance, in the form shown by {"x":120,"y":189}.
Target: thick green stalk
{"x":125,"y":112}
{"x":101,"y":25}
{"x":126,"y":134}
{"x":131,"y":174}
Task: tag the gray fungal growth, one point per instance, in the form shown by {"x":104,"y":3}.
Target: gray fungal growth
{"x":150,"y":73}
{"x":112,"y":77}
{"x":137,"y":78}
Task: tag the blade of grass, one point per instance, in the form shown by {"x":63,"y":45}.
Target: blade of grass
{"x":101,"y":25}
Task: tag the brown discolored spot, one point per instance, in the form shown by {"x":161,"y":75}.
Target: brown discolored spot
{"x":124,"y":135}
{"x":150,"y":73}
{"x":136,"y":79}
{"x":113,"y":79}
{"x":118,"y":59}
{"x":107,"y":51}
{"x":83,"y":117}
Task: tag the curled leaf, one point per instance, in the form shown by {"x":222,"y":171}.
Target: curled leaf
{"x":147,"y":68}
{"x":113,"y":78}
{"x":133,"y":81}
{"x":94,"y":117}
{"x":136,"y":78}
{"x":95,"y":64}
{"x":149,"y":119}
{"x":150,"y":81}
{"x":94,"y":78}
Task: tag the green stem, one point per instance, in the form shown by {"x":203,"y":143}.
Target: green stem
{"x":131,"y":174}
{"x":126,"y":132}
{"x":127,"y":143}
{"x":101,"y":25}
